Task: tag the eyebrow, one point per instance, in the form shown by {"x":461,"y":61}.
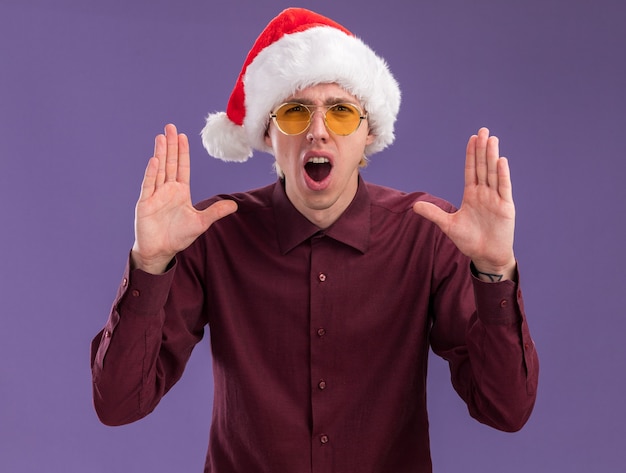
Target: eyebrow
{"x":328,"y":101}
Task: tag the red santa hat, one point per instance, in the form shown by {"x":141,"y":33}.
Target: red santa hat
{"x":299,"y":49}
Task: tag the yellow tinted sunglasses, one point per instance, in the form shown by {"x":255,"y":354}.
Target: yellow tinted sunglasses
{"x":293,"y":118}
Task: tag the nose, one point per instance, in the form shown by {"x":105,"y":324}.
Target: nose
{"x":317,"y":128}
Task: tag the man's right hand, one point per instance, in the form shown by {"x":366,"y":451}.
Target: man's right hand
{"x":165,"y":220}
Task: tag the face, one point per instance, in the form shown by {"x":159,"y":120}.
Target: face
{"x":320,"y":168}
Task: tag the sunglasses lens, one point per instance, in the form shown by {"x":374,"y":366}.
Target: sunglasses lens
{"x":343,"y":118}
{"x":294,"y":118}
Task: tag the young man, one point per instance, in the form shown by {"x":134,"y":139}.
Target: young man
{"x":322,"y":292}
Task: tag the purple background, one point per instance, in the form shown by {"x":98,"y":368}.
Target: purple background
{"x":85,"y":86}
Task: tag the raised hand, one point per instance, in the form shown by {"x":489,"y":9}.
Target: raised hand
{"x":484,"y":225}
{"x":165,"y":220}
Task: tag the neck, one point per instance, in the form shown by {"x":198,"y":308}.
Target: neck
{"x":325,"y":210}
{"x":322,"y":218}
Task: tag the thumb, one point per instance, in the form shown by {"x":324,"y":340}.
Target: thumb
{"x":218,"y":210}
{"x":433,"y":213}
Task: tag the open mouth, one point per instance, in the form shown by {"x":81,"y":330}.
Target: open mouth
{"x":318,"y":168}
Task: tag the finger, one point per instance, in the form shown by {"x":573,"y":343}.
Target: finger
{"x":183,"y":171}
{"x":505,"y":188}
{"x":159,"y":153}
{"x":481,"y":156}
{"x":492,"y":156}
{"x":433,"y":213}
{"x":171,"y":160}
{"x":470,"y":162}
{"x":218,"y":210}
{"x":149,"y":179}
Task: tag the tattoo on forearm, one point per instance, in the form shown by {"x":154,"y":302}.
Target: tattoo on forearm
{"x":492,"y":277}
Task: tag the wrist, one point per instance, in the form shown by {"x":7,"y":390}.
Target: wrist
{"x":156,"y":265}
{"x":494,"y":273}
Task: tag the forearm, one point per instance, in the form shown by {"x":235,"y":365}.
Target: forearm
{"x":125,"y":387}
{"x":125,"y":354}
{"x":503,"y":362}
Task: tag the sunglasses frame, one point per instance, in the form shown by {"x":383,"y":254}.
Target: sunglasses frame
{"x":273,"y":116}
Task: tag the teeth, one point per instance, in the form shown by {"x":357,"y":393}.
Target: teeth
{"x":318,"y":160}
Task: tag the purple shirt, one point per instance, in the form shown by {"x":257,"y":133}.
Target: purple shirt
{"x":319,"y":338}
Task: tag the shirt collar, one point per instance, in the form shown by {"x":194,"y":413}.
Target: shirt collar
{"x":351,"y":228}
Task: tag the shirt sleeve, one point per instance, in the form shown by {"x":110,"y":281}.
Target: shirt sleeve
{"x":493,"y":361}
{"x":144,"y":346}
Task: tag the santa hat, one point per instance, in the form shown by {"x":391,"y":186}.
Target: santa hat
{"x":299,"y":49}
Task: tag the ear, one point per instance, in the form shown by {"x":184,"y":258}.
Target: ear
{"x":370,"y":138}
{"x":267,"y":138}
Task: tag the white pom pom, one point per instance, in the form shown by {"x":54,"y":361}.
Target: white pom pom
{"x":224,"y":139}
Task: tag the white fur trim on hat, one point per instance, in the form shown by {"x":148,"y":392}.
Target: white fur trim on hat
{"x":316,"y":56}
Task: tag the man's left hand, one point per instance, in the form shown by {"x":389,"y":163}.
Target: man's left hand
{"x":484,"y":225}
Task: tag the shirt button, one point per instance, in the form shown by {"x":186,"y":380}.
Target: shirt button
{"x":504,"y":303}
{"x":124,"y":282}
{"x":321,"y":385}
{"x":324,"y":439}
{"x":321,"y":332}
{"x":322,"y":277}
{"x":107,"y":334}
{"x":135,"y":293}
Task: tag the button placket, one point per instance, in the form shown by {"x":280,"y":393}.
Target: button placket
{"x":321,"y":332}
{"x":322,"y":294}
